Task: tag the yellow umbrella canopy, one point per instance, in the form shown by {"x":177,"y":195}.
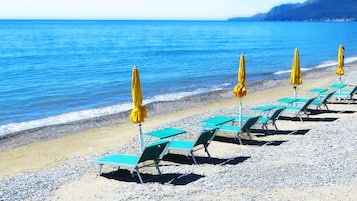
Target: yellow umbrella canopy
{"x":138,"y":113}
{"x":296,"y":77}
{"x":340,"y":61}
{"x":240,"y":90}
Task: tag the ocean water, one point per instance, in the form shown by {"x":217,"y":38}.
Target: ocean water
{"x":59,"y":71}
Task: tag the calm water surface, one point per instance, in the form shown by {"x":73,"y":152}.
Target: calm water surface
{"x":80,"y":69}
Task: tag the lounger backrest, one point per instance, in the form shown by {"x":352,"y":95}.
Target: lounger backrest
{"x":308,"y":102}
{"x":249,"y":123}
{"x":277,"y":113}
{"x":205,"y":137}
{"x":353,"y":91}
{"x":327,"y":97}
{"x":153,"y":151}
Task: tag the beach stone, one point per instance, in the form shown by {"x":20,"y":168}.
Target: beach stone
{"x":325,"y":156}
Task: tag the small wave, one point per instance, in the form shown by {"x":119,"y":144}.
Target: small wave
{"x":350,"y":60}
{"x":282,"y":72}
{"x":64,"y":118}
{"x":325,"y":64}
{"x":289,"y":71}
{"x":98,"y":112}
{"x":179,"y":95}
{"x":221,"y":86}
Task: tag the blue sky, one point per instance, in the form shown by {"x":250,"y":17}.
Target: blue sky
{"x":135,"y":9}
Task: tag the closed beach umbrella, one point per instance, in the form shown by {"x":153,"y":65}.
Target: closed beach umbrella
{"x":138,"y":113}
{"x":296,"y":77}
{"x":240,"y":90}
{"x":340,"y":62}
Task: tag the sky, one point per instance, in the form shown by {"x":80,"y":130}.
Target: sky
{"x":135,"y":9}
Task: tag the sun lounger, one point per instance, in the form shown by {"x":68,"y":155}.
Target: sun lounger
{"x":346,"y":95}
{"x":323,"y":101}
{"x":202,"y":142}
{"x":350,"y":89}
{"x":300,"y":109}
{"x":151,"y":152}
{"x":239,"y":130}
{"x":271,"y":119}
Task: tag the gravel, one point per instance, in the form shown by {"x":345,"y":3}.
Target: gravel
{"x":324,"y":156}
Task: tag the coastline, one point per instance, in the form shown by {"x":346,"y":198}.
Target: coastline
{"x":47,"y":132}
{"x":35,"y":105}
{"x":271,"y":167}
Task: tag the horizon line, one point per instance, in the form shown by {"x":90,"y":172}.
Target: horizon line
{"x":103,"y":19}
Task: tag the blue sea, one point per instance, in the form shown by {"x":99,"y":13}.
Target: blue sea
{"x":59,"y":71}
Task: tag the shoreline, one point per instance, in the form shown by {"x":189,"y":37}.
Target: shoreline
{"x":313,"y":156}
{"x":121,"y":116}
{"x":53,"y":131}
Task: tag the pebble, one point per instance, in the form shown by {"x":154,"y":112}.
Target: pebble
{"x":324,"y":156}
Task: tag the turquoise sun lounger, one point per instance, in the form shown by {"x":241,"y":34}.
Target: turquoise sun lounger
{"x":346,"y":95}
{"x":323,"y":101}
{"x":300,"y":109}
{"x":202,"y":141}
{"x":271,"y":119}
{"x":151,"y":152}
{"x":239,"y":130}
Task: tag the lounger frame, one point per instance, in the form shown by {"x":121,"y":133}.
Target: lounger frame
{"x":151,"y":152}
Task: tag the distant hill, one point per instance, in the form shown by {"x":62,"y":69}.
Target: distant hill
{"x":312,"y":10}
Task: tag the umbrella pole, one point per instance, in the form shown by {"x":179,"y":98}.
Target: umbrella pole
{"x":141,"y":139}
{"x":295,"y":94}
{"x":339,"y":89}
{"x":240,"y":112}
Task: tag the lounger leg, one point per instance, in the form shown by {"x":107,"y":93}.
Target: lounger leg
{"x":193,"y":158}
{"x":349,"y":99}
{"x":250,"y":136}
{"x":157,"y":167}
{"x":326,"y":107}
{"x":132,"y":172}
{"x":139,"y":176}
{"x":300,"y":116}
{"x":267,"y":129}
{"x":206,"y":150}
{"x":274,"y":124}
{"x":240,"y":141}
{"x":100,"y":169}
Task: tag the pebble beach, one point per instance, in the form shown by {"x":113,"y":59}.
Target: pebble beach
{"x":311,"y":160}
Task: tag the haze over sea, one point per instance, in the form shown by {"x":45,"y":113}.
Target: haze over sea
{"x":60,"y":71}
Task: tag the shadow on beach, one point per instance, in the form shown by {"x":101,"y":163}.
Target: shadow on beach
{"x":308,"y":119}
{"x":248,"y":142}
{"x":261,"y":133}
{"x":170,"y":178}
{"x":182,"y":159}
{"x":351,"y":102}
{"x":339,"y":111}
{"x":317,"y":112}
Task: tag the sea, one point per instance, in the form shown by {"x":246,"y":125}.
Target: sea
{"x":58,"y":71}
